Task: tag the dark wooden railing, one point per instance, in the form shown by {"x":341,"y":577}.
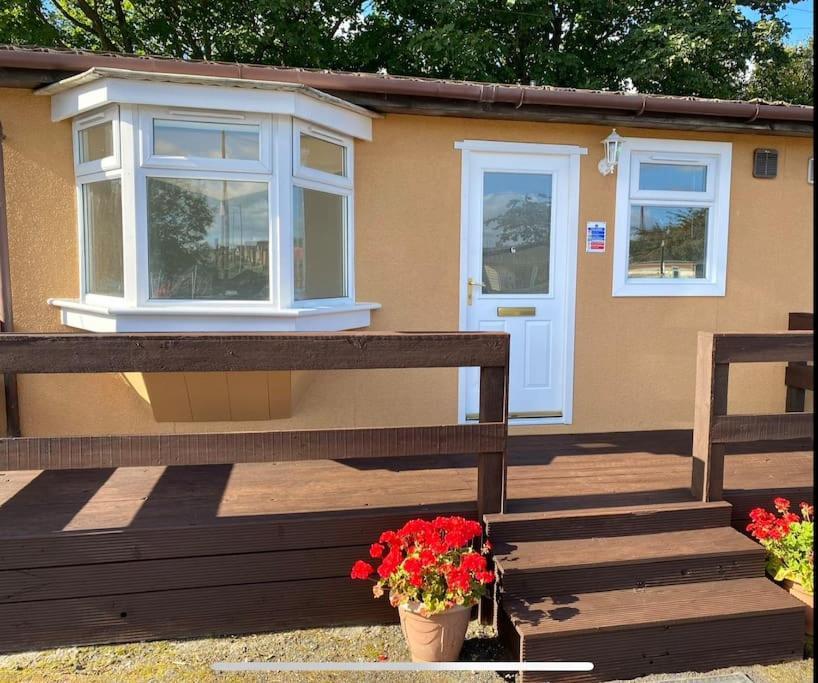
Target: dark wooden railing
{"x":94,"y":353}
{"x":713,"y":428}
{"x":798,"y":376}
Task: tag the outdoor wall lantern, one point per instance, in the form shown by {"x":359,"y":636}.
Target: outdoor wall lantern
{"x":613,"y":145}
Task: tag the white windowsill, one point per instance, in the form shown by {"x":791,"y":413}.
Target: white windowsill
{"x":212,"y":317}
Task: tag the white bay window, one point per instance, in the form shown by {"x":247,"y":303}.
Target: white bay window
{"x":193,"y":218}
{"x":672,"y":215}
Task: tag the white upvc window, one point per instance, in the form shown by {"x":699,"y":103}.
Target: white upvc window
{"x":672,"y":218}
{"x":205,"y":208}
{"x":322,"y":216}
{"x":97,"y":141}
{"x":198,"y":220}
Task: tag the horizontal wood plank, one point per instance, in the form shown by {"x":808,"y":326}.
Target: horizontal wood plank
{"x":656,"y":606}
{"x":83,"y":452}
{"x":799,"y":377}
{"x":769,"y":347}
{"x":222,"y":535}
{"x":215,"y":610}
{"x":745,"y":428}
{"x":79,"y":353}
{"x":118,"y":578}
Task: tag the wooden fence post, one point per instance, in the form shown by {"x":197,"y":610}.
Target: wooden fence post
{"x":491,"y":467}
{"x":795,"y":377}
{"x":711,"y":401}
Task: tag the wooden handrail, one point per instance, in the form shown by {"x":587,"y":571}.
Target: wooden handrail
{"x":81,"y":353}
{"x":95,"y":353}
{"x":713,"y":428}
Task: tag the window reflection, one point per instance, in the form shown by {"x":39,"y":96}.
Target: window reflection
{"x":208,"y":239}
{"x":96,"y":142}
{"x":672,"y":177}
{"x":205,"y":140}
{"x":319,"y":244}
{"x":667,"y":242}
{"x":102,"y":206}
{"x":516,"y":233}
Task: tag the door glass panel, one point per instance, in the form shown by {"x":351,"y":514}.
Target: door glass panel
{"x":667,"y":242}
{"x":516,"y":233}
{"x":672,"y":177}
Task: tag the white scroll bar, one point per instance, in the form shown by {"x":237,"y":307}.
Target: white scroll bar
{"x":233,"y":667}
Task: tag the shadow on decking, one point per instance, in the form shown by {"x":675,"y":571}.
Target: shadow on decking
{"x":559,"y":472}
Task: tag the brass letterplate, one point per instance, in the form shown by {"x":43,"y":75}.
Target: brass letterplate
{"x":516,"y":311}
{"x":522,"y":415}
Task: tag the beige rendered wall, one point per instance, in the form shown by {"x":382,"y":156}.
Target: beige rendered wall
{"x":634,"y":364}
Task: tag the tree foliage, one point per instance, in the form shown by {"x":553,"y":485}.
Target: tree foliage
{"x":785,"y":74}
{"x":681,"y":47}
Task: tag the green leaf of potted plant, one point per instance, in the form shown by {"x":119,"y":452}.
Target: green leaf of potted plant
{"x":434,"y":577}
{"x":788,"y":539}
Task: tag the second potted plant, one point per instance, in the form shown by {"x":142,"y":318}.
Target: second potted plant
{"x":434,"y":577}
{"x":788,"y":539}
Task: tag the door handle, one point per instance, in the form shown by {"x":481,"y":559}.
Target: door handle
{"x":469,"y":284}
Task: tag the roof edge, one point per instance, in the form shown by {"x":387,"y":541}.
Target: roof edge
{"x":97,"y":73}
{"x":480,"y":93}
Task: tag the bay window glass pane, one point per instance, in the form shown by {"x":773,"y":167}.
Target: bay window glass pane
{"x":204,"y":140}
{"x":96,"y":142}
{"x":672,"y":177}
{"x":668,"y":242}
{"x":102,"y":213}
{"x":319,"y":247}
{"x":323,"y":155}
{"x":208,"y":239}
{"x":516,"y":233}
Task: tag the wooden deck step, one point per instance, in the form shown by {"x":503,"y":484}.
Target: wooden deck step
{"x":611,"y":521}
{"x":630,"y":633}
{"x":540,"y":568}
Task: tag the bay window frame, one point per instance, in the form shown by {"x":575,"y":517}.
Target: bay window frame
{"x":717,"y":158}
{"x":320,"y":181}
{"x":111,"y":114}
{"x":82,"y":228}
{"x":148,"y":159}
{"x":299,"y":170}
{"x":279,"y":168}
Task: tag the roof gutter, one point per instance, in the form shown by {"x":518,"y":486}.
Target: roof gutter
{"x":417,"y":87}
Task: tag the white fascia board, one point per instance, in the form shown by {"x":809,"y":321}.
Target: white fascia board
{"x":99,"y":92}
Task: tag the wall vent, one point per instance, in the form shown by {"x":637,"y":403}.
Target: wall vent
{"x":765,"y":163}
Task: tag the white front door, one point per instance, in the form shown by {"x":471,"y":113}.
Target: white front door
{"x":519,"y":263}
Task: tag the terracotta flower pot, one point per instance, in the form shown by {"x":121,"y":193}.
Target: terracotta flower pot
{"x":437,"y":638}
{"x":797,"y":591}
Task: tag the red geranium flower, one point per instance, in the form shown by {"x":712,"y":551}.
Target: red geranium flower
{"x":361,"y":570}
{"x":781,"y":504}
{"x":433,"y":563}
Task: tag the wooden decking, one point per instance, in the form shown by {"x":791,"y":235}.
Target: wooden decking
{"x":102,"y":555}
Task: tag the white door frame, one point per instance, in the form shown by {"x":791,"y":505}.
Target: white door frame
{"x":569,"y":269}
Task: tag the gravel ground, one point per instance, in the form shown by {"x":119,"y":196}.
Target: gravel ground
{"x":188,"y":661}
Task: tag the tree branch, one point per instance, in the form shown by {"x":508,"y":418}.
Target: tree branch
{"x":124,"y":29}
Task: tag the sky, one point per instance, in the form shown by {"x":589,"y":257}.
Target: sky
{"x":800,"y":15}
